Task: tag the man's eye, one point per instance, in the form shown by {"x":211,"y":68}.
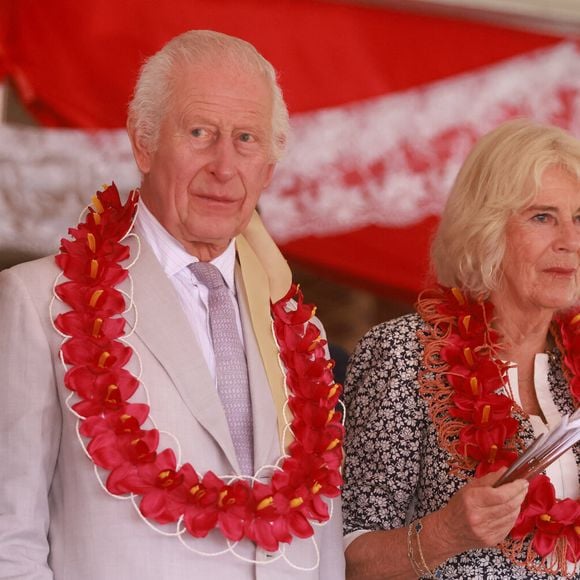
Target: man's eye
{"x":247,"y":138}
{"x":198,"y":132}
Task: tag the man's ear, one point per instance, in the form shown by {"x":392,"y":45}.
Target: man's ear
{"x":141,"y":149}
{"x":269,"y":175}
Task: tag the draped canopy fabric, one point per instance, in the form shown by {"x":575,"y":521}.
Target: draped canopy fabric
{"x":384,"y":105}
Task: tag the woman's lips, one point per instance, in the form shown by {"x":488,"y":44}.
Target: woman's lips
{"x":559,"y":271}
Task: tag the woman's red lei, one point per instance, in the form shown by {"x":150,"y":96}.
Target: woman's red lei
{"x":476,"y":423}
{"x":119,"y":441}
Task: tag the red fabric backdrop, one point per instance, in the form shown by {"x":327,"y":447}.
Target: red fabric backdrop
{"x":74,"y":64}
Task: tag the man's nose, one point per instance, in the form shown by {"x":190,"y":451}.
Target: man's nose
{"x":223,"y":164}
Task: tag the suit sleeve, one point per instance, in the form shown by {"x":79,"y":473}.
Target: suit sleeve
{"x":30,"y":425}
{"x":332,"y":564}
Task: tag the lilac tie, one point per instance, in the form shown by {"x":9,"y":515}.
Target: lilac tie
{"x":230,"y":363}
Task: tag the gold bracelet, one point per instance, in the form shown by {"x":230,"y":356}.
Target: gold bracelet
{"x":420,"y":568}
{"x":410,"y":532}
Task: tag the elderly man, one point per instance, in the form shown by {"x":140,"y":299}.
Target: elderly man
{"x":147,"y":427}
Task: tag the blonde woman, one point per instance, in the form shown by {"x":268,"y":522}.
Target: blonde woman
{"x":441,"y":401}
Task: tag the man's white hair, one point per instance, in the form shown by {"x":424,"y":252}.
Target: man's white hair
{"x":155,"y":84}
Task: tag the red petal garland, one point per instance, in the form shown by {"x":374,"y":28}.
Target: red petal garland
{"x":461,"y":348}
{"x":119,"y":439}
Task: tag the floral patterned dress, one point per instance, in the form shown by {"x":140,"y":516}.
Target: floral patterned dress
{"x":395,"y":470}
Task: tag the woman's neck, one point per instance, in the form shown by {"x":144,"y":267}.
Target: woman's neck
{"x":524,"y":333}
{"x":522,"y":336}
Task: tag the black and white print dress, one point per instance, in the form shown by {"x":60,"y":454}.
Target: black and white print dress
{"x":395,"y":471}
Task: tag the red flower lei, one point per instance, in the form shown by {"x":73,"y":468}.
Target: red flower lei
{"x":476,"y":424}
{"x":118,"y":439}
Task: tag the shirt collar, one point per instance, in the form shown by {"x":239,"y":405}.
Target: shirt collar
{"x":172,"y":255}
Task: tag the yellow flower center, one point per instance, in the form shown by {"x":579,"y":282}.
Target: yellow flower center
{"x":458,"y":295}
{"x":266,"y":502}
{"x":103,"y":358}
{"x":95,"y":297}
{"x":296,"y":502}
{"x":97,"y":324}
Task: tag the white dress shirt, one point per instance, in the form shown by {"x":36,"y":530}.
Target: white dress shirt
{"x":563,"y":472}
{"x":192,"y":294}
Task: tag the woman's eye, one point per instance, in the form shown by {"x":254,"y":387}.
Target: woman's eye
{"x":541,"y":217}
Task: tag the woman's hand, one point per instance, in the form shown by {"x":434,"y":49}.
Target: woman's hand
{"x":477,"y":516}
{"x":480,"y":516}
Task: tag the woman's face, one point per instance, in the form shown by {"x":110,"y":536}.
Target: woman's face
{"x":541,"y":263}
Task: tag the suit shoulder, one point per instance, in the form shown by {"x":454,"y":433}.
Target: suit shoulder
{"x":33,"y":269}
{"x":36,"y":277}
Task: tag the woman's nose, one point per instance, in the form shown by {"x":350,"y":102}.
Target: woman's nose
{"x":569,"y":236}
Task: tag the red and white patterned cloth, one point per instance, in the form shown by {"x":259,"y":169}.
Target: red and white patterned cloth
{"x":385,"y":107}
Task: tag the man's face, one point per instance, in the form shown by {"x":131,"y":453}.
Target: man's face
{"x":213,"y":157}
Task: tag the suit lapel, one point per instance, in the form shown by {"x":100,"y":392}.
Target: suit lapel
{"x":164,"y":330}
{"x":257,"y":286}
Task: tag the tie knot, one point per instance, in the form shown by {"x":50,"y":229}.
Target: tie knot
{"x":207,"y":274}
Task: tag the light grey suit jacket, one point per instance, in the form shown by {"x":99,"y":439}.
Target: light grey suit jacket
{"x":55,"y":520}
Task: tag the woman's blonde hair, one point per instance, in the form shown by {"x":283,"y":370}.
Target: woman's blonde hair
{"x":500,"y":176}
